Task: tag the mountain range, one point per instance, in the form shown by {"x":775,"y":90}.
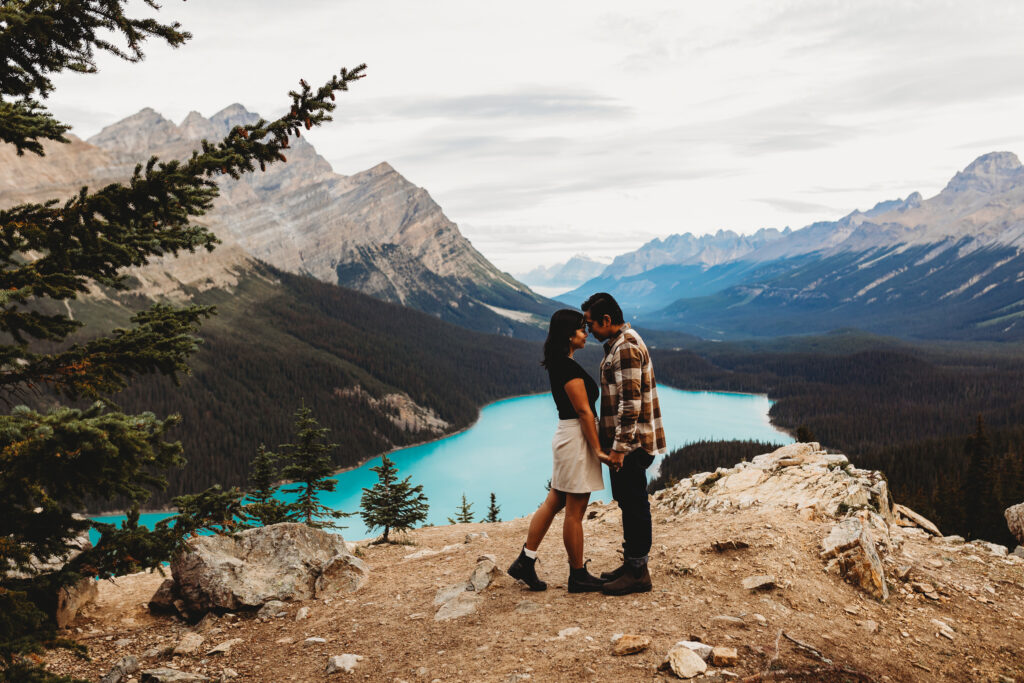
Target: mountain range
{"x":950,"y":266}
{"x":571,"y":273}
{"x":316,"y":285}
{"x":373,"y":231}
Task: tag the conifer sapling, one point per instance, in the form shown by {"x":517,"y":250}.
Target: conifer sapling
{"x":309,"y":468}
{"x":493,"y":510}
{"x":392,"y":504}
{"x":464,"y":515}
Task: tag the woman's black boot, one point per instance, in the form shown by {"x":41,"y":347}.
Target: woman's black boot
{"x":582,"y":581}
{"x":523,"y":569}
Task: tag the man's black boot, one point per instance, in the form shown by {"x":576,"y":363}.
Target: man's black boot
{"x":524,"y":569}
{"x":635,"y":579}
{"x":582,"y":581}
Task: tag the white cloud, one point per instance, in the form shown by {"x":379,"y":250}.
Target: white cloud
{"x":616,"y":126}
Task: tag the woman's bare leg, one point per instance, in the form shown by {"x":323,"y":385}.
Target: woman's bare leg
{"x":572,"y":527}
{"x":543,"y":517}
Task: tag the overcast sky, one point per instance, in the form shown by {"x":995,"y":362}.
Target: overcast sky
{"x":550,"y":128}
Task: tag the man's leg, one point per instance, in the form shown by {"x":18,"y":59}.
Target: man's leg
{"x":629,"y":489}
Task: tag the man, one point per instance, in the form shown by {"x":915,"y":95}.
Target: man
{"x":630,"y":431}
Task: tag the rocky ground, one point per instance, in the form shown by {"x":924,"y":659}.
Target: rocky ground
{"x":954,"y":610}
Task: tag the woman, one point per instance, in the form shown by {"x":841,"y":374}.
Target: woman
{"x":577,"y":456}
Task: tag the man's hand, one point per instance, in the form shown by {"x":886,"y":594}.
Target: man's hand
{"x":615,"y":459}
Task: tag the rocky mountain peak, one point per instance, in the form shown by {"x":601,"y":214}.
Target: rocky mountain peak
{"x":231,"y":116}
{"x":195,"y":127}
{"x":989,"y":174}
{"x":145,"y":128}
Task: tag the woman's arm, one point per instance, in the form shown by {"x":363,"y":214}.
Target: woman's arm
{"x":576,"y":390}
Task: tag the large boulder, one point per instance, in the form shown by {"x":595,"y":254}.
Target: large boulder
{"x":71,"y":599}
{"x":278,"y":562}
{"x":63,"y":607}
{"x":1015,"y":520}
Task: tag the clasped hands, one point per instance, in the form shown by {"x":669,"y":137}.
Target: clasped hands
{"x":613,"y":459}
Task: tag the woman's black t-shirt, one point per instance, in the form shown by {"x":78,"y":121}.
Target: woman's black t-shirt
{"x":561,"y":371}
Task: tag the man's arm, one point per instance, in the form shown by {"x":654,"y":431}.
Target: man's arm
{"x":628,"y":378}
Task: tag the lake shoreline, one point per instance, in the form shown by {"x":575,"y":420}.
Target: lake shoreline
{"x":350,"y":467}
{"x":170,"y":509}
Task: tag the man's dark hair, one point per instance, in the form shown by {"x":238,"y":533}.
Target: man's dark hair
{"x":603,"y":304}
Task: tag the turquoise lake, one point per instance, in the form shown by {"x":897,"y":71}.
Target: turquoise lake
{"x":508,"y":452}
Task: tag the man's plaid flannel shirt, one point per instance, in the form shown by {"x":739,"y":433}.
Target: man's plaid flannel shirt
{"x":630,"y":412}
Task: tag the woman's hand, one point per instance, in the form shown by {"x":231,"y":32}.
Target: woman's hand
{"x":607,"y":460}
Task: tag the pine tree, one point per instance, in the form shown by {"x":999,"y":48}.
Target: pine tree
{"x":52,"y":463}
{"x":392,"y":504}
{"x":978,"y":486}
{"x":493,"y":510}
{"x":261,"y":505}
{"x":804,"y":434}
{"x":309,"y":468}
{"x":213,"y":510}
{"x":464,"y":514}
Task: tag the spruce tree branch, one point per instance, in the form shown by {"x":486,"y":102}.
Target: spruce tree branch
{"x":93,"y":237}
{"x":41,"y":38}
{"x":160,"y":340}
{"x":24,"y":123}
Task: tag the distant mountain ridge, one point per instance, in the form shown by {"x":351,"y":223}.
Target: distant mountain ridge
{"x":571,"y":273}
{"x":373,"y":231}
{"x":949,"y":266}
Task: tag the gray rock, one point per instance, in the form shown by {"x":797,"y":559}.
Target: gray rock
{"x":302,"y":613}
{"x":703,"y":650}
{"x":484,"y":575}
{"x":189,"y":644}
{"x":166,"y":675}
{"x":345,"y":663}
{"x":73,"y":598}
{"x":343,"y":574}
{"x":470,"y":537}
{"x":314,"y":641}
{"x":842,"y":537}
{"x":159,"y":651}
{"x":122,"y":670}
{"x":162,"y":601}
{"x":277,"y":562}
{"x":1015,"y":521}
{"x":443,"y":595}
{"x":726,"y":620}
{"x":760,"y":582}
{"x":225,"y":647}
{"x":953,"y":540}
{"x":459,"y":606}
{"x":1019,"y":551}
{"x":851,"y":544}
{"x":684,"y":662}
{"x":271,"y":608}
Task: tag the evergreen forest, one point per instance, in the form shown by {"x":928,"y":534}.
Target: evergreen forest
{"x":943,"y":421}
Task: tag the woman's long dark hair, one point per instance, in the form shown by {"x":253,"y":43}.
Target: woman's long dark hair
{"x":563,"y":325}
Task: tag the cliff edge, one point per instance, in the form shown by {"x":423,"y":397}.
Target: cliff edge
{"x":771,"y":559}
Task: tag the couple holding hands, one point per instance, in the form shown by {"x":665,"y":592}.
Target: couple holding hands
{"x":626,"y":437}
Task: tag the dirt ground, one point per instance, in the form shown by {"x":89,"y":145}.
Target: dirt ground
{"x":514,"y":636}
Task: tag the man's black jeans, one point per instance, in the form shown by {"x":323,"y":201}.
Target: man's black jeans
{"x":629,"y":489}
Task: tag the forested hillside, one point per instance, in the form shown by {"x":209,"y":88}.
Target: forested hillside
{"x":280,"y":339}
{"x":911,"y":412}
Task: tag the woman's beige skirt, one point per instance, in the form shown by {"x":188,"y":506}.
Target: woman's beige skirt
{"x":576,"y":469}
